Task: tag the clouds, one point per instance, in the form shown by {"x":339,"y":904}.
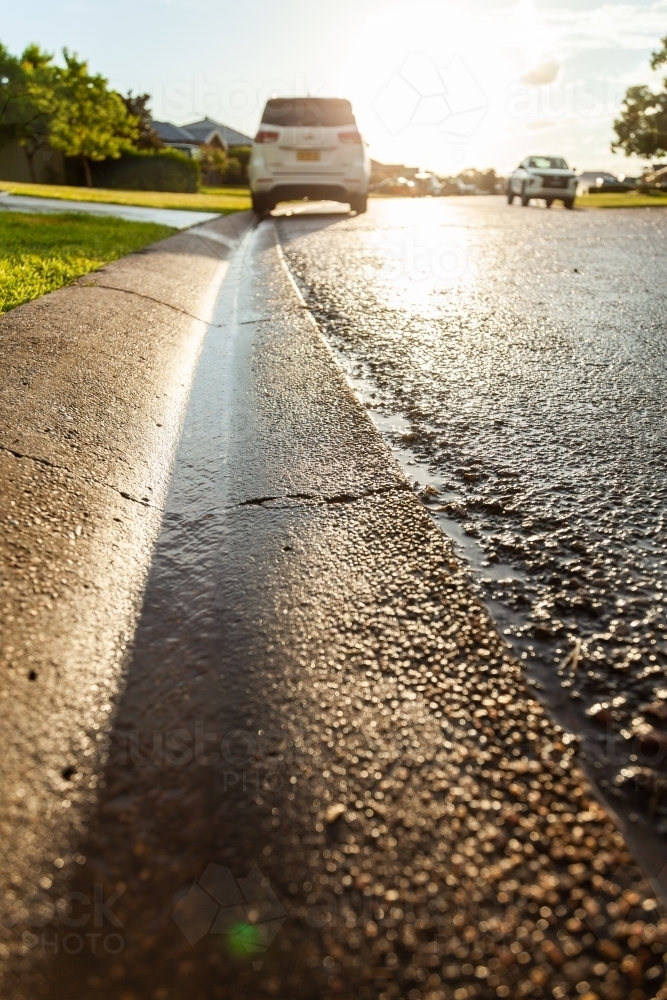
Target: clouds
{"x":546,"y":72}
{"x":621,"y":26}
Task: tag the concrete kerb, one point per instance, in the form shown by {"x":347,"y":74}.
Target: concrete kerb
{"x":96,"y":378}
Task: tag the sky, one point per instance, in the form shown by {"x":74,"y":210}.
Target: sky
{"x":441,"y":84}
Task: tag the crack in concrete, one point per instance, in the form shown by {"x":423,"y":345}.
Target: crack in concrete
{"x":149,"y":298}
{"x":32,"y":458}
{"x":338,"y":498}
{"x":82,"y":479}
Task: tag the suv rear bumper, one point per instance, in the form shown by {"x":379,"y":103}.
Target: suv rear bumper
{"x":297,"y":190}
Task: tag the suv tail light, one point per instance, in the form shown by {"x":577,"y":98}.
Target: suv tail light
{"x":350,"y":137}
{"x":267,"y":137}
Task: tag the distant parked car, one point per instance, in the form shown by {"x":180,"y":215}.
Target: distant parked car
{"x":655,"y":179}
{"x":308,"y":147}
{"x":400,"y":186}
{"x":599,"y":182}
{"x":428,"y":185}
{"x":546,"y":177}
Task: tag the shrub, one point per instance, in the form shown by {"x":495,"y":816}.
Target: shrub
{"x":146,"y":170}
{"x":213,"y":163}
{"x":238,"y":170}
{"x":233,"y":173}
{"x":218,"y":167}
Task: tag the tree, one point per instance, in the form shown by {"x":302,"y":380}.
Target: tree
{"x":483,"y":180}
{"x":86,"y":119}
{"x":20,"y":117}
{"x":138,"y":108}
{"x":642,"y":127}
{"x":12,"y":92}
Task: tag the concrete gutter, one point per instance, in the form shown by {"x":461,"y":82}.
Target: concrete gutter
{"x":95,"y":383}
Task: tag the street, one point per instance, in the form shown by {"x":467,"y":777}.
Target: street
{"x":325,"y":772}
{"x":516,"y":362}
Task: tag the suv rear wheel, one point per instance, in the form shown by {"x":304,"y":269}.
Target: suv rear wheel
{"x":260,"y":205}
{"x":359,"y":203}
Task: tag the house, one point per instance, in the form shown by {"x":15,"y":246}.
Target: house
{"x":48,"y":166}
{"x":207,"y":132}
{"x":382,"y":171}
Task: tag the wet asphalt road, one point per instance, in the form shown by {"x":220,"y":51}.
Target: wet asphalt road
{"x":516,"y":361}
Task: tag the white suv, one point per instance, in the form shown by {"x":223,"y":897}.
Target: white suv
{"x":308,"y":147}
{"x":546,"y":177}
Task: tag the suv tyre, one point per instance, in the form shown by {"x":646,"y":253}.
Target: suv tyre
{"x":260,"y":205}
{"x":359,"y":203}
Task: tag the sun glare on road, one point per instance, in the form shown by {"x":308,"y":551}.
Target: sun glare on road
{"x":422,"y":248}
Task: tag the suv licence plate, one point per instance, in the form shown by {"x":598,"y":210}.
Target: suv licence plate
{"x":308,"y":155}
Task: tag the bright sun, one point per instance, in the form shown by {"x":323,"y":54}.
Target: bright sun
{"x":432,"y":83}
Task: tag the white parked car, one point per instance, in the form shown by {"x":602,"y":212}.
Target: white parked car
{"x":308,"y":147}
{"x":545,"y":177}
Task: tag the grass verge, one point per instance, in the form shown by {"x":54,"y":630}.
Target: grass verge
{"x":630,"y":199}
{"x":222,"y":200}
{"x":39,"y":253}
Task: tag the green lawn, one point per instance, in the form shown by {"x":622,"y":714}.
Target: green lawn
{"x":631,"y":199}
{"x":222,"y":200}
{"x":39,"y":253}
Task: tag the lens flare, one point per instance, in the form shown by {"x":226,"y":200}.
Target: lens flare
{"x":245,"y":939}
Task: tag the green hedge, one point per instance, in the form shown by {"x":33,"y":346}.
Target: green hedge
{"x":143,"y":170}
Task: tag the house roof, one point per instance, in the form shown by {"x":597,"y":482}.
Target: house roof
{"x":200,"y":133}
{"x":207,"y":127}
{"x":174,"y":133}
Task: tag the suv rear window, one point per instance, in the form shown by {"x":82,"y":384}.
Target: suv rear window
{"x":308,"y":111}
